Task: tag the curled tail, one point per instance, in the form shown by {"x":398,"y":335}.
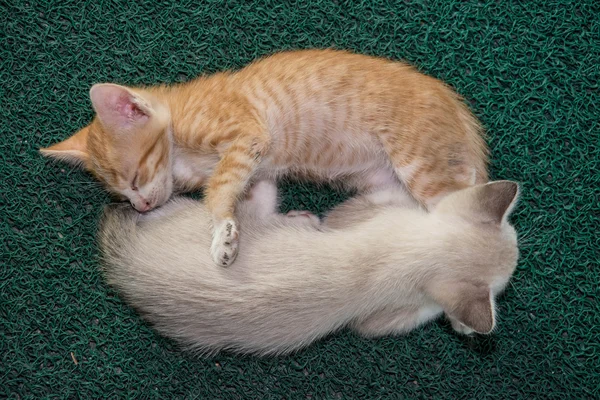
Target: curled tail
{"x":116,"y":232}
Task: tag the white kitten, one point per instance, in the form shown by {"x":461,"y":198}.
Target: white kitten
{"x":378,"y":264}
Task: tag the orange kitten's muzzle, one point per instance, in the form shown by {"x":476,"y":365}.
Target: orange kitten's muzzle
{"x":144,"y":208}
{"x":142,"y":205}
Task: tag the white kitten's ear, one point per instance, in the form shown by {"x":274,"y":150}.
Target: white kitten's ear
{"x":119,"y":107}
{"x":72,"y":150}
{"x":488,"y":203}
{"x":495,"y":200}
{"x":471,"y":304}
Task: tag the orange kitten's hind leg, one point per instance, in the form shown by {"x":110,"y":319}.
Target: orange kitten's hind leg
{"x":433,"y":179}
{"x":228,"y":182}
{"x":428,"y":188}
{"x":437,"y":155}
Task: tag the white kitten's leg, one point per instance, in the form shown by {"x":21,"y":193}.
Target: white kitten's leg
{"x":396,"y":321}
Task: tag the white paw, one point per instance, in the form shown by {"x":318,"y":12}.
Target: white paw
{"x":303,"y":215}
{"x":224,"y":246}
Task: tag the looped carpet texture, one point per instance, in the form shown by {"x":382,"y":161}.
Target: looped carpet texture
{"x":530,"y":71}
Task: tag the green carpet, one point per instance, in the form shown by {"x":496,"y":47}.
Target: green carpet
{"x":530,"y":71}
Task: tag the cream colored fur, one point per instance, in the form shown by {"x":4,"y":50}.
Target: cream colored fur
{"x":378,"y":263}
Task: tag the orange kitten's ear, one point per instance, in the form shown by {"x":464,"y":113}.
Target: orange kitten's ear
{"x":72,"y":150}
{"x":119,"y":108}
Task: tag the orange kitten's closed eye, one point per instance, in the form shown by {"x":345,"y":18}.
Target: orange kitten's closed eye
{"x":324,"y":115}
{"x":127,"y":146}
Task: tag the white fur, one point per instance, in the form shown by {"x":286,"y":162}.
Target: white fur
{"x":385,"y":270}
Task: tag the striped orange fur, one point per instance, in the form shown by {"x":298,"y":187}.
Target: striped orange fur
{"x":324,"y":115}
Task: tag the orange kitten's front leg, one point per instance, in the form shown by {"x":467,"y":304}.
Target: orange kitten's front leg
{"x":227,"y":183}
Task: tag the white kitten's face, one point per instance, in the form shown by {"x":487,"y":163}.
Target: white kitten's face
{"x":510,"y":253}
{"x":479,"y":254}
{"x":489,"y":252}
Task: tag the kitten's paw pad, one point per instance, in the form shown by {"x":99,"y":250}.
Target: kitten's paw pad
{"x":224,"y":246}
{"x":304,"y":215}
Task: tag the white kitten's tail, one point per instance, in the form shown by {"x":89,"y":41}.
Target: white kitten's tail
{"x":116,"y":232}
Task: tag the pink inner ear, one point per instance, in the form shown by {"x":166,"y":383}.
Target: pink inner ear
{"x":116,"y":106}
{"x":127,"y":108}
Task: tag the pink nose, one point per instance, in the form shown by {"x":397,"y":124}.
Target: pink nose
{"x":143,"y":207}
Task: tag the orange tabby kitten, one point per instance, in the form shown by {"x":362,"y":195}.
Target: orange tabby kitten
{"x":321,"y":114}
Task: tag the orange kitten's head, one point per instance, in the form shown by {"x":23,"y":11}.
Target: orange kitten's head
{"x":127,"y":145}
